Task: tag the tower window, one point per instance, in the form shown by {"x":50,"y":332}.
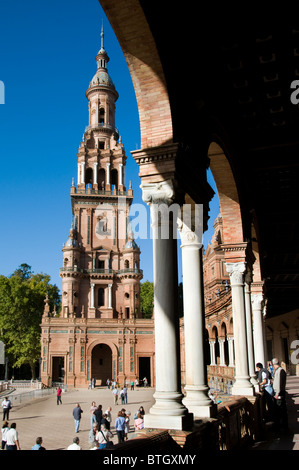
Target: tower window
{"x":127,"y":264}
{"x":100,"y":297}
{"x":101,"y":116}
{"x":114,"y":178}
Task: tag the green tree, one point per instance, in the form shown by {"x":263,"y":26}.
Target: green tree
{"x":147,"y":299}
{"x":21,"y":307}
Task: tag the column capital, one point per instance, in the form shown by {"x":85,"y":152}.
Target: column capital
{"x":257,"y":301}
{"x":158,"y":193}
{"x":236,"y":272}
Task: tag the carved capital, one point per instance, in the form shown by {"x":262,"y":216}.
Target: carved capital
{"x":158,"y":193}
{"x":236,"y":273}
{"x":257,"y":301}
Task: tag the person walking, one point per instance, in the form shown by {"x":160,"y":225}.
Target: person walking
{"x":279,"y":385}
{"x":127,"y":426}
{"x":4,"y":430}
{"x":92,"y":415}
{"x":58,"y":394}
{"x":12,"y":438}
{"x":122,"y":396}
{"x":115,"y":395}
{"x":98,"y":415}
{"x":120,"y":424}
{"x":6,"y":405}
{"x":77,"y":412}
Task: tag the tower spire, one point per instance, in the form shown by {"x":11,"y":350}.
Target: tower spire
{"x":102,"y":36}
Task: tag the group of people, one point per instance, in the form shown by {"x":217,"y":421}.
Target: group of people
{"x":272,"y":382}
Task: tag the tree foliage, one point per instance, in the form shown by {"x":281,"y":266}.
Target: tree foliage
{"x":21,"y":307}
{"x":147,"y":299}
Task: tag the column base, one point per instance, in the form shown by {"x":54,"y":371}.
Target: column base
{"x":244,"y":391}
{"x":198,"y":402}
{"x":180,"y":423}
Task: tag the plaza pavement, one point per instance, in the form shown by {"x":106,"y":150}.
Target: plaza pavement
{"x":55,"y":423}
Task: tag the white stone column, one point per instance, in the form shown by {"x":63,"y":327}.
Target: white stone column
{"x":168,"y":412}
{"x":108,"y":174}
{"x":110,"y":296}
{"x":92,"y":295}
{"x":258,"y":328}
{"x":196,"y":400}
{"x":242,"y":385}
{"x":212,"y":352}
{"x":95,"y":173}
{"x":222,"y":353}
{"x":120,"y":174}
{"x":79,"y":174}
{"x":83,"y":173}
{"x":231,"y":361}
{"x":249,"y":331}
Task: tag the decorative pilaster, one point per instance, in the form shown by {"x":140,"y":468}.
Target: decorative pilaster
{"x":197,"y":400}
{"x":242,"y":385}
{"x":168,"y":412}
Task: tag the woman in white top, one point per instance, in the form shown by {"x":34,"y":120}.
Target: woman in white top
{"x":4,"y":430}
{"x":103,"y":437}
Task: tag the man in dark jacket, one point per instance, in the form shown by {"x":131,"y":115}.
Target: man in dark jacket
{"x":77,"y":412}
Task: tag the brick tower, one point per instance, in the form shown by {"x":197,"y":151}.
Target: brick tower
{"x":101,"y":262}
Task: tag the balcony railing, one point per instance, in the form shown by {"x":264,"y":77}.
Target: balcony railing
{"x":75,"y":269}
{"x":102,"y":192}
{"x":103,"y":126}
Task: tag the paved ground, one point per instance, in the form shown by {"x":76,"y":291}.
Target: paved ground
{"x":42,"y":417}
{"x":55,"y":423}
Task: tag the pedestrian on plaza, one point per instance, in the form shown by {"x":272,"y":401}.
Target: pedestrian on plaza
{"x":132,"y":384}
{"x":139,"y":422}
{"x":92,"y":415}
{"x":58,"y":394}
{"x":127,"y":426}
{"x":38,"y":444}
{"x":6,"y":405}
{"x":120,"y":424}
{"x":93,"y":432}
{"x":115,"y":395}
{"x":141,"y":411}
{"x":113,"y":384}
{"x":125,"y":390}
{"x":122,"y":396}
{"x":108,"y":417}
{"x":12,"y":438}
{"x":279,"y":385}
{"x":4,"y":430}
{"x":105,"y":421}
{"x":77,"y":412}
{"x":136,"y":382}
{"x":264,"y":380}
{"x":75,"y":444}
{"x":103,"y":437}
{"x":108,"y":383}
{"x":98,"y":415}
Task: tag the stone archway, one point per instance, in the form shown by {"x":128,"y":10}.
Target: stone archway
{"x":101,"y":363}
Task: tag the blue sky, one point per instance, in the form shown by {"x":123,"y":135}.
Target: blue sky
{"x":47,"y":59}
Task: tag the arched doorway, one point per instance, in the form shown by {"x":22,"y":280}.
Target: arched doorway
{"x":101,"y":363}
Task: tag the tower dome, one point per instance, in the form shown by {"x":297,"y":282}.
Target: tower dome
{"x":101,"y":77}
